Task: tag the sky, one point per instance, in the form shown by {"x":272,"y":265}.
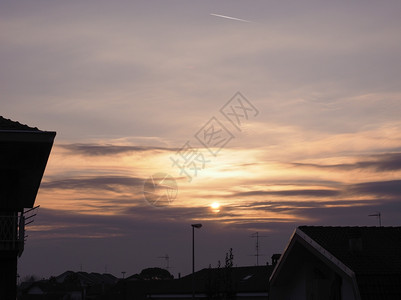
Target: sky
{"x":252,"y":116}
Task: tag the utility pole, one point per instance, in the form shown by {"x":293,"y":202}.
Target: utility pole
{"x":193,"y":257}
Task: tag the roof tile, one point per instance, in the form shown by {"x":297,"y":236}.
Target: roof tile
{"x":7,"y":124}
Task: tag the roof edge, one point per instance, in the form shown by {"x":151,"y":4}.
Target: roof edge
{"x":284,"y":254}
{"x":27,"y":136}
{"x":324,"y":252}
{"x":9,"y":124}
{"x":330,"y":257}
{"x":299,"y":234}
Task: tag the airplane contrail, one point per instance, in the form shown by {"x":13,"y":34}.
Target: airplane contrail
{"x":230,"y":18}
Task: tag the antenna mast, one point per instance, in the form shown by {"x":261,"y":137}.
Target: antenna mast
{"x":378,"y":215}
{"x":167,"y":258}
{"x":257,"y":246}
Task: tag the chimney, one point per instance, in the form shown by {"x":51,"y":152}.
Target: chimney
{"x":275,"y":258}
{"x":355,"y":242}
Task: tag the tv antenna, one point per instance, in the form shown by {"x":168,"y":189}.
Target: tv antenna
{"x":379,"y":217}
{"x":257,"y":245}
{"x":167,"y":258}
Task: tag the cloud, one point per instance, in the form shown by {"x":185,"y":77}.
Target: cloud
{"x":384,"y":162}
{"x":110,"y":183}
{"x":380,"y":163}
{"x":323,"y":91}
{"x":139,"y":217}
{"x":64,"y":224}
{"x":391,"y":188}
{"x":100,"y":150}
{"x":293,"y":206}
{"x":329,"y":213}
{"x":289,"y":193}
{"x":230,"y":18}
{"x":353,"y":215}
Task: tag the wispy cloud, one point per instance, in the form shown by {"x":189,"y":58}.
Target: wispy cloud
{"x":100,"y":150}
{"x":381,"y":163}
{"x":289,"y":193}
{"x":295,"y":206}
{"x":390,"y":188}
{"x":230,"y":18}
{"x":110,"y":183}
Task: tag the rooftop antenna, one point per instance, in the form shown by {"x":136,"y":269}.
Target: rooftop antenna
{"x":257,"y":246}
{"x":167,"y":258}
{"x":379,"y":217}
{"x":123,"y":272}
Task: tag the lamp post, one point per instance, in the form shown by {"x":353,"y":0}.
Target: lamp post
{"x":193,"y":257}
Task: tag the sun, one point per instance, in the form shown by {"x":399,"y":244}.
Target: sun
{"x":215,"y":206}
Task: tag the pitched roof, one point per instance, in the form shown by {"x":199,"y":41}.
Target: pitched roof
{"x":7,"y":124}
{"x":244,"y":279}
{"x":252,"y":279}
{"x":87,"y":278}
{"x":380,"y":252}
{"x":376,"y":261}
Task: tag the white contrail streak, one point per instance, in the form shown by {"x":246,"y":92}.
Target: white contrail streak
{"x":230,"y":18}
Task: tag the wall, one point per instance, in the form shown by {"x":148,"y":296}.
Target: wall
{"x":305,"y":277}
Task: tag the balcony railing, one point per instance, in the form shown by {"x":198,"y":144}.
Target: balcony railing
{"x":12,"y":232}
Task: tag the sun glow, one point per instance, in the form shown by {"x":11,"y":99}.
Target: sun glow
{"x":215,"y":206}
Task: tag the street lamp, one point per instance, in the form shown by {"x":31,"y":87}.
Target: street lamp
{"x":193,"y":256}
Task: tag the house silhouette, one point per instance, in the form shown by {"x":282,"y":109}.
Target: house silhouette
{"x":24,"y":152}
{"x":339,"y":263}
{"x":211,"y":283}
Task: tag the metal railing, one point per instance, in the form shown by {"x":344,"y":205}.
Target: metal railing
{"x":12,"y":229}
{"x":11,"y":232}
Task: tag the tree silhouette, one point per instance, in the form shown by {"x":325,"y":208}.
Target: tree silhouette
{"x":228,"y":280}
{"x":219,"y":284}
{"x":155,"y":274}
{"x":30,"y":278}
{"x":229,"y":259}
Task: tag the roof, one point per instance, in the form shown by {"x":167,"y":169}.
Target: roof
{"x":87,"y":278}
{"x":24,"y":154}
{"x":7,"y":124}
{"x":209,"y":281}
{"x":244,"y":279}
{"x":376,"y":262}
{"x":59,"y":287}
{"x":47,"y":287}
{"x":380,"y":252}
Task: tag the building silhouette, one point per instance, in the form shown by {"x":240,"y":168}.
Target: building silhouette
{"x":24,"y":152}
{"x":339,"y":263}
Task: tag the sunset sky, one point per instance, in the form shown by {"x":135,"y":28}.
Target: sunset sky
{"x":128,"y":84}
